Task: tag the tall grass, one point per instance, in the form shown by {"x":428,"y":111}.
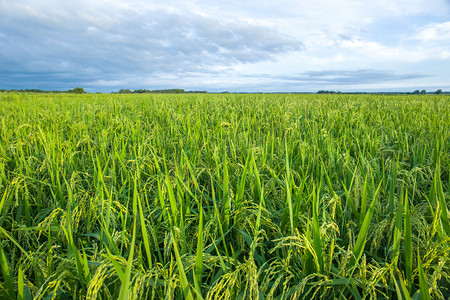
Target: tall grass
{"x":231,"y":196}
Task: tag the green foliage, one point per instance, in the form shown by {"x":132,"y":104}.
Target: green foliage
{"x":233,"y":196}
{"x":78,"y":90}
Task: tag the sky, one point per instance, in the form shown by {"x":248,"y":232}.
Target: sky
{"x":236,"y":46}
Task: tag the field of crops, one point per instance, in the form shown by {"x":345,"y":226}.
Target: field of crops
{"x":224,"y":196}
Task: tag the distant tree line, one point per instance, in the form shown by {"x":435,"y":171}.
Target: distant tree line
{"x":328,"y":92}
{"x":416,"y":92}
{"x":80,"y":90}
{"x":77,"y":90}
{"x":37,"y":91}
{"x":166,"y":91}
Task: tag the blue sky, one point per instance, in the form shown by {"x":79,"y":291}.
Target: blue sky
{"x":267,"y":46}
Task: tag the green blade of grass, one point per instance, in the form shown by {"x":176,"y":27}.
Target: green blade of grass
{"x":392,"y":184}
{"x":185,"y":288}
{"x":4,"y":205}
{"x":308,"y":260}
{"x":81,"y":263}
{"x":116,"y":265}
{"x":200,"y":248}
{"x":125,"y":287}
{"x":397,"y":232}
{"x":143,"y":227}
{"x":21,"y":286}
{"x":25,"y":253}
{"x":162,"y":204}
{"x":400,"y":287}
{"x":257,"y":182}
{"x":317,"y":240}
{"x":184,"y":208}
{"x":408,"y":243}
{"x":172,"y":201}
{"x":217,"y":218}
{"x":354,"y":290}
{"x":241,"y":187}
{"x":289,"y":191}
{"x":328,"y":180}
{"x":424,"y":293}
{"x":361,"y":240}
{"x":226,"y":197}
{"x":7,"y":277}
{"x":258,"y":221}
{"x":443,"y":207}
{"x":363,"y":201}
{"x":258,"y":217}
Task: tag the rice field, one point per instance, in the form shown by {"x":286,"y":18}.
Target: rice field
{"x":205,"y":196}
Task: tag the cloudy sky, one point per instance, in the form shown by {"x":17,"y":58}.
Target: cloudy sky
{"x":284,"y":45}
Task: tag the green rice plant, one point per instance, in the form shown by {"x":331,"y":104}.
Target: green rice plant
{"x":283,"y":196}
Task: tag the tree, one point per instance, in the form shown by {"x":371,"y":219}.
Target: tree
{"x":78,"y":90}
{"x":438,"y":92}
{"x":423,"y":92}
{"x":416,"y":92}
{"x":124,"y":91}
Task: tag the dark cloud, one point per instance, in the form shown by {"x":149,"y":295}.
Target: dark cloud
{"x":52,"y":49}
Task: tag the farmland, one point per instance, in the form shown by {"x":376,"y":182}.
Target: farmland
{"x":233,"y":196}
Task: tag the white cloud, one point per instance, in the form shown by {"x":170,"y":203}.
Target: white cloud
{"x":434,"y":32}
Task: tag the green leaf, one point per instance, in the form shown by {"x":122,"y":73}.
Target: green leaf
{"x":363,"y":201}
{"x":408,"y":243}
{"x":361,"y":240}
{"x":397,"y":232}
{"x":443,"y":206}
{"x":7,"y":278}
{"x":424,"y":293}
{"x":125,"y":287}
{"x":241,"y":187}
{"x":143,"y":227}
{"x":20,"y":285}
{"x":183,"y":279}
{"x":200,"y":248}
{"x":317,"y":241}
{"x":226,"y":194}
{"x":400,"y":287}
{"x":289,"y":191}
